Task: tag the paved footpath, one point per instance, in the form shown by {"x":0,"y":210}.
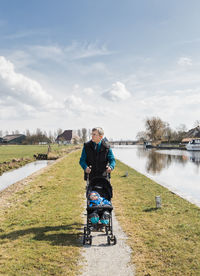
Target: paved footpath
{"x":103,"y":259}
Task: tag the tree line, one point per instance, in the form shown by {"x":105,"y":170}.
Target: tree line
{"x":158,"y":130}
{"x":41,"y":136}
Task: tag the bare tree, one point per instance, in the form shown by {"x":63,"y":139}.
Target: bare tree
{"x":89,"y":134}
{"x":15,"y":131}
{"x":155,"y":128}
{"x":38,"y":132}
{"x":141,"y":136}
{"x":59,"y":131}
{"x":197,"y":123}
{"x":84,"y":135}
{"x":168,"y":133}
{"x":55,"y":135}
{"x":27,"y":133}
{"x":181,"y":130}
{"x":45,"y":133}
{"x":79,"y":133}
{"x":51,"y":136}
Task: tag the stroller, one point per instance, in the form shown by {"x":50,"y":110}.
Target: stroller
{"x":102,"y":186}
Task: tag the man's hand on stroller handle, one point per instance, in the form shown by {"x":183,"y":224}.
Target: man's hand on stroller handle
{"x":108,"y":169}
{"x":88,"y":169}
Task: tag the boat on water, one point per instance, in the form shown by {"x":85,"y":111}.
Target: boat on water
{"x":148,"y":145}
{"x":194,"y":144}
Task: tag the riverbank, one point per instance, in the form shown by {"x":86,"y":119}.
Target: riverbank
{"x":16,"y":156}
{"x":164,"y":241}
{"x":42,"y":223}
{"x":166,"y":146}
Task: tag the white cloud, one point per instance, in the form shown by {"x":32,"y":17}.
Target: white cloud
{"x":86,"y":50}
{"x":24,"y":34}
{"x":117,"y":92}
{"x":23,"y":95}
{"x":47,"y":52}
{"x":184,"y":61}
{"x":19,"y":86}
{"x":76,"y":105}
{"x":88,"y":91}
{"x":76,"y":86}
{"x":75,"y":51}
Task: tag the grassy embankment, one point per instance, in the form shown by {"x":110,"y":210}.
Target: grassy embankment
{"x":164,"y":241}
{"x":15,"y":156}
{"x":40,"y":231}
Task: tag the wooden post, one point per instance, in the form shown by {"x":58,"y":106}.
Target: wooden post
{"x":158,"y":202}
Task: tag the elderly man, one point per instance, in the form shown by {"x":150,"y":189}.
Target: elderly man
{"x":97,"y":156}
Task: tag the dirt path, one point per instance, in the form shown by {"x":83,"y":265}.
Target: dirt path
{"x":102,"y":259}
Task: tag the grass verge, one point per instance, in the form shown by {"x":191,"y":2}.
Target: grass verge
{"x":15,"y":156}
{"x":40,"y":234}
{"x":164,"y":241}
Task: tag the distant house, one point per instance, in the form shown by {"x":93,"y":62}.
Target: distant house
{"x":67,"y":137}
{"x":186,"y":140}
{"x":191,"y":134}
{"x":13,"y":139}
{"x":1,"y":140}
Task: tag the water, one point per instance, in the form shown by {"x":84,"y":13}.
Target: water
{"x":11,"y":177}
{"x":178,"y":170}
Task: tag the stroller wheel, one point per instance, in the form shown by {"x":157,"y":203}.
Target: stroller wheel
{"x":84,"y":240}
{"x":111,"y":240}
{"x":114,"y":240}
{"x":87,"y":240}
{"x":108,"y":240}
{"x":90,"y":240}
{"x":87,"y":231}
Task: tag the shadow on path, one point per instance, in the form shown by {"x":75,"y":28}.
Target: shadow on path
{"x":44,"y":234}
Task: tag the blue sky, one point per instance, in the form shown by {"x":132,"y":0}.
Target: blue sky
{"x":84,"y":63}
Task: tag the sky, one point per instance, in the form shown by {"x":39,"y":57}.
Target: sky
{"x":74,"y":64}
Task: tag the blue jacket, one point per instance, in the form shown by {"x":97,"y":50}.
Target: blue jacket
{"x":101,"y":201}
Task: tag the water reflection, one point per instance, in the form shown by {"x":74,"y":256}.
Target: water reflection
{"x":177,"y":170}
{"x":195,"y":157}
{"x":156,"y":160}
{"x":11,"y":177}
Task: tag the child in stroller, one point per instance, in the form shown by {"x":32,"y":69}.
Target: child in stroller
{"x":96,"y":200}
{"x":99,"y":209}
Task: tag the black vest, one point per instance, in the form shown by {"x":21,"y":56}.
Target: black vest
{"x":98,"y":160}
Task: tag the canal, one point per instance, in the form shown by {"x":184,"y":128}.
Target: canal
{"x":11,"y":177}
{"x":177,"y":170}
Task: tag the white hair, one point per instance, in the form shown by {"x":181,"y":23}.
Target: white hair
{"x":99,"y":129}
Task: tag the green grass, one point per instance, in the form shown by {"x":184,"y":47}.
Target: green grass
{"x":164,"y":241}
{"x":40,"y":230}
{"x":15,"y":156}
{"x":39,"y":233}
{"x":9,"y":152}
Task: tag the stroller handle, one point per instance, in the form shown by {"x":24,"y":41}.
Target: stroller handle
{"x":88,"y":175}
{"x":105,"y":174}
{"x":87,"y":180}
